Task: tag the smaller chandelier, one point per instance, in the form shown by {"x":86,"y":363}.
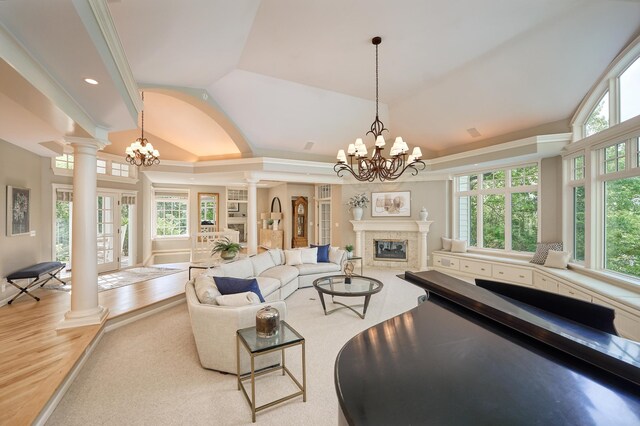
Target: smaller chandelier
{"x":368,"y":169}
{"x":141,"y":152}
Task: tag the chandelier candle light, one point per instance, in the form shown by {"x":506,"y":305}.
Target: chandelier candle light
{"x":141,"y":152}
{"x":368,"y":169}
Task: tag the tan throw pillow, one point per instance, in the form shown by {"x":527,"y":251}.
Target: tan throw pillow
{"x":206,"y":289}
{"x":458,"y":246}
{"x":293,"y":257}
{"x":557,"y":259}
{"x":446,"y":244}
{"x":542,"y":249}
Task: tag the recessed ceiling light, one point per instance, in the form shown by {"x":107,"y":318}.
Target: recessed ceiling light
{"x":91,"y":81}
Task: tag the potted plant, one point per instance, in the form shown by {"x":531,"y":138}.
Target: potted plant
{"x":227,"y":249}
{"x":270,"y":223}
{"x":349,"y":249}
{"x":356,"y":205}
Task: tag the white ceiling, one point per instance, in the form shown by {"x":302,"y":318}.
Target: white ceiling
{"x":287,"y":72}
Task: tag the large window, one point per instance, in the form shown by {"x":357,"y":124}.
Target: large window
{"x":599,"y":118}
{"x":622,"y":225}
{"x":498,"y":209}
{"x":629,"y":90}
{"x":171,"y":213}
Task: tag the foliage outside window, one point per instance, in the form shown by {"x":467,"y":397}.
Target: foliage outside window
{"x":615,"y":158}
{"x":578,"y":223}
{"x":622,"y":225}
{"x":577,"y":168}
{"x":599,"y":118}
{"x":63,"y":231}
{"x":171,"y":214}
{"x":499,"y":209}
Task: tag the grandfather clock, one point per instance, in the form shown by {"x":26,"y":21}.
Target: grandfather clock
{"x":299,"y":223}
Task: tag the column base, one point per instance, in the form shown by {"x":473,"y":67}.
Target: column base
{"x":73,"y":319}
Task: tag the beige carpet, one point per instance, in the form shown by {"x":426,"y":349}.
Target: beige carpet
{"x":122,"y":278}
{"x":147,"y":373}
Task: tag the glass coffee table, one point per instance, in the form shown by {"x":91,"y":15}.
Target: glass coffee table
{"x":286,"y":337}
{"x":337,"y":285}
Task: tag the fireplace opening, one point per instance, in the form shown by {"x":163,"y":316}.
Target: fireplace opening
{"x":390,"y":250}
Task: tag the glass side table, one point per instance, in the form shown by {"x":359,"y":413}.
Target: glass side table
{"x":286,"y":337}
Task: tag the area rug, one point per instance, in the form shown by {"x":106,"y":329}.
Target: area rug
{"x":122,"y":278}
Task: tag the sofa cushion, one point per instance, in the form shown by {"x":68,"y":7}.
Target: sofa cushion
{"x":261,"y":262}
{"x":294,"y":257}
{"x":323,"y":253}
{"x":214,"y":272}
{"x":268,"y":285}
{"x":309,"y":255}
{"x":542,"y":250}
{"x":335,"y":255}
{"x":317,"y":268}
{"x":206,"y":289}
{"x":277,"y":255}
{"x":239,"y":269}
{"x":231,"y":285}
{"x":238,"y":299}
{"x":282,"y":273}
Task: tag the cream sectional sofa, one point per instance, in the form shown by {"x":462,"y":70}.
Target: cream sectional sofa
{"x":276,"y":279}
{"x":214,"y":327}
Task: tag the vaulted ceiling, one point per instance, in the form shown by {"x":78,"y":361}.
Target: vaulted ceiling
{"x":282,"y":73}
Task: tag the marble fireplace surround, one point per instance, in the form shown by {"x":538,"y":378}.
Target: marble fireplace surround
{"x":414,"y":231}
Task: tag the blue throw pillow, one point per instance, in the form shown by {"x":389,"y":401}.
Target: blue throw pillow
{"x":230,"y":285}
{"x":323,"y":253}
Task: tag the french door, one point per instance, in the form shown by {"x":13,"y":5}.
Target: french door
{"x":108,"y":241}
{"x":324,"y":222}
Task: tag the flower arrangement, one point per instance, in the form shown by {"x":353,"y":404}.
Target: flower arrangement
{"x":358,"y":200}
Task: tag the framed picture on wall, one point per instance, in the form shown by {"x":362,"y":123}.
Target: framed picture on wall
{"x":391,"y":204}
{"x":18,"y":211}
{"x":233,"y":206}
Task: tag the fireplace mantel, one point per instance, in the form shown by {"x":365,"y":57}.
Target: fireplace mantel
{"x":418,"y":226}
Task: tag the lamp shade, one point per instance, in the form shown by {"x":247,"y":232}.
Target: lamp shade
{"x":264,"y":216}
{"x":276,"y":216}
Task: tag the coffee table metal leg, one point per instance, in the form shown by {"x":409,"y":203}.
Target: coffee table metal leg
{"x":366,"y":305}
{"x":324,"y":307}
{"x":283,"y":364}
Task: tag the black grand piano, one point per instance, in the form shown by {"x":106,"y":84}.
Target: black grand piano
{"x":498,"y":355}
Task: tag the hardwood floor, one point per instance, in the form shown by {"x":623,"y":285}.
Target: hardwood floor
{"x":35,"y":358}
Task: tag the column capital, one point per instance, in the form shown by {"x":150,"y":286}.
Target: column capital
{"x":97,"y":144}
{"x":250,"y":178}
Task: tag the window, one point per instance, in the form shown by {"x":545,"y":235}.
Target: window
{"x":614,"y":158}
{"x":101,"y":167}
{"x":498,"y":209}
{"x":599,"y":118}
{"x":119,"y":169}
{"x":208,"y":203}
{"x":64,"y":161}
{"x":622,"y":225}
{"x":171,"y":213}
{"x":493,"y":223}
{"x":577,"y":168}
{"x":578,"y":223}
{"x":629,"y":89}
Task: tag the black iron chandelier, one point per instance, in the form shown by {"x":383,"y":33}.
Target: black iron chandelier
{"x":368,"y":169}
{"x":141,"y":152}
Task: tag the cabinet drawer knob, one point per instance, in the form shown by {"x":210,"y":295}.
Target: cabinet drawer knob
{"x":482,"y":269}
{"x":466,"y":266}
{"x":521,"y":276}
{"x":501,"y":273}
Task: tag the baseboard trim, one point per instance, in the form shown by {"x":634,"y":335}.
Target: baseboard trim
{"x":110,"y":325}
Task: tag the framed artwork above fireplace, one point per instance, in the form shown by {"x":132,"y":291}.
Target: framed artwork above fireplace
{"x":395,"y":204}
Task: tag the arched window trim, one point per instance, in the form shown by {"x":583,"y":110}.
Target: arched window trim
{"x":608,"y":81}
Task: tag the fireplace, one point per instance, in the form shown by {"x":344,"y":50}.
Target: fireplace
{"x":395,"y":250}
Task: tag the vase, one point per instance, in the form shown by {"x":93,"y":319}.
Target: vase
{"x":275,"y":225}
{"x":349,"y":254}
{"x":267,"y":322}
{"x":357,"y":213}
{"x":227,"y":255}
{"x":424,"y":214}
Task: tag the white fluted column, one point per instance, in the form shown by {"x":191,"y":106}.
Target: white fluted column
{"x":252,"y":216}
{"x":359,"y":249}
{"x":85,"y":309}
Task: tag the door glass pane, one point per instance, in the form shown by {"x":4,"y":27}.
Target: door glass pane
{"x":63,"y":231}
{"x":493,"y":221}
